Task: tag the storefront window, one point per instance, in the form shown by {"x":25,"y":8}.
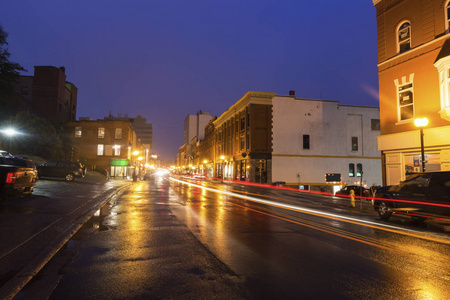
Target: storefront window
{"x":413,"y":163}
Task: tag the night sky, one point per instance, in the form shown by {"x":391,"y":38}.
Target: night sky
{"x":166,"y":58}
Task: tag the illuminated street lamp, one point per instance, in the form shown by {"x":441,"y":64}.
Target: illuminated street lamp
{"x":10,"y":133}
{"x":421,"y":123}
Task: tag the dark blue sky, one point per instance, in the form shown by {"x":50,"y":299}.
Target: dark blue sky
{"x":167,"y":58}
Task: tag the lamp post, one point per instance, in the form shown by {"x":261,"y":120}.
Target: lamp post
{"x":421,"y":123}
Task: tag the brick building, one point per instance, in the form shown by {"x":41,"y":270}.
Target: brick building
{"x":414,"y":77}
{"x":110,"y":145}
{"x":243,"y":139}
{"x":47,"y":94}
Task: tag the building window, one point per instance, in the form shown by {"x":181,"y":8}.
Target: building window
{"x":100,"y":149}
{"x":108,"y":150}
{"x":248,"y":120}
{"x":242,"y":143}
{"x":354,"y":143}
{"x":237,"y":125}
{"x":116,"y":150}
{"x":375,"y":124}
{"x":351,"y":170}
{"x":306,"y":141}
{"x":248,"y":141}
{"x":359,"y":171}
{"x":78,"y":132}
{"x":443,"y":67}
{"x":24,"y":90}
{"x":242,"y":123}
{"x":101,"y":132}
{"x":404,"y":37}
{"x":118,"y":134}
{"x":406,"y":102}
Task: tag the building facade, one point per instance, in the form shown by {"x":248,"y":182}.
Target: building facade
{"x":143,"y":130}
{"x":47,"y":94}
{"x":414,"y":82}
{"x":194,"y":126}
{"x":110,"y":145}
{"x":243,"y":144}
{"x":206,"y":150}
{"x":313,"y":138}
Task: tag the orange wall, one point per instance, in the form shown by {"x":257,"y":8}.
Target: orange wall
{"x":426,"y":90}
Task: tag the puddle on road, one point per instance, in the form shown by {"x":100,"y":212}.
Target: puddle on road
{"x":93,"y":225}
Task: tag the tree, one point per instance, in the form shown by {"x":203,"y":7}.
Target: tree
{"x":9,"y":74}
{"x":37,"y":136}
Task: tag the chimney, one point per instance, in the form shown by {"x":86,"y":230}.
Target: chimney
{"x":291,"y":93}
{"x":63,"y":69}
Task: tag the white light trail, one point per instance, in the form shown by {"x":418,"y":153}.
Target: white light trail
{"x":301,"y":209}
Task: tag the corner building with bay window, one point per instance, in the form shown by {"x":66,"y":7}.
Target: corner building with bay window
{"x":414,"y":82}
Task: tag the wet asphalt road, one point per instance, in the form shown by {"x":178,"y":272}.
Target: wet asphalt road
{"x":165,"y":239}
{"x":31,"y":227}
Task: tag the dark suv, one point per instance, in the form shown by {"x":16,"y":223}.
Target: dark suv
{"x":421,"y":195}
{"x":69,"y":170}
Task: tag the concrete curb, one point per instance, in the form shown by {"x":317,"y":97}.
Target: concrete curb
{"x":14,"y":285}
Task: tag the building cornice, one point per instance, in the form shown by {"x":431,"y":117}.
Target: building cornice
{"x":264,"y":98}
{"x":390,"y":60}
{"x":375,"y":2}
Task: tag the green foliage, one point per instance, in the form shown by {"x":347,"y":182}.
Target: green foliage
{"x":9,"y":74}
{"x":37,"y":136}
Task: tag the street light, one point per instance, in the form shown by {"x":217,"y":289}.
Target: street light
{"x":9,"y":132}
{"x":421,"y":123}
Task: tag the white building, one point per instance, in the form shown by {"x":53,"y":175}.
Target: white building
{"x":194,"y":126}
{"x":312,"y":138}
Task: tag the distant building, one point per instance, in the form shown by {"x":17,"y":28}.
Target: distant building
{"x":243,"y":139}
{"x":206,"y":150}
{"x":110,"y":145}
{"x":194,"y":125}
{"x":47,"y":94}
{"x":312,"y":138}
{"x":267,"y":138}
{"x":414,"y":77}
{"x":144,"y":130}
{"x":194,"y":133}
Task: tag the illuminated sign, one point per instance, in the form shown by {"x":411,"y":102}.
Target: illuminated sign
{"x":120,"y":162}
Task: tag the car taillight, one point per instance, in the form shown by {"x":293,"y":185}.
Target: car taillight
{"x":79,"y":169}
{"x":11,"y":177}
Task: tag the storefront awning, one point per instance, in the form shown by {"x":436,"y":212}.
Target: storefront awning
{"x":119,"y":163}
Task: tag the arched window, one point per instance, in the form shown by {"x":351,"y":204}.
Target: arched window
{"x":447,"y":17}
{"x":404,"y":37}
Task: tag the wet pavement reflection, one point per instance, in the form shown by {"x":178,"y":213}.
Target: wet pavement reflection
{"x":167,"y":239}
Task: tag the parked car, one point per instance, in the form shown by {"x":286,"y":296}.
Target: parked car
{"x":421,"y":195}
{"x":18,"y":176}
{"x":69,"y":170}
{"x":345,"y":191}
